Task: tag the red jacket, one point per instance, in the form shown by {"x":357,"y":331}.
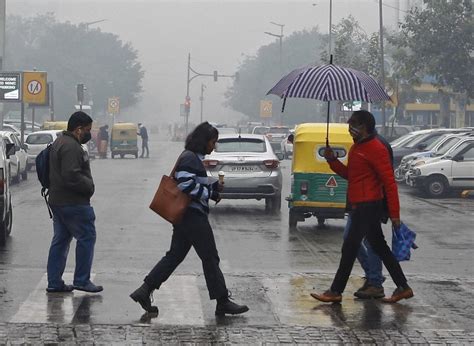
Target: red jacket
{"x":369,"y":172}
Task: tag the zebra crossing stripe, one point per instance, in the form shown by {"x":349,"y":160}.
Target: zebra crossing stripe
{"x":41,"y":307}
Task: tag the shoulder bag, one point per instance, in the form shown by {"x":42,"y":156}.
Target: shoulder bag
{"x":169,"y":201}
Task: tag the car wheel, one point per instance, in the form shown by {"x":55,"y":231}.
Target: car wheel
{"x":276,"y":204}
{"x":121,"y":156}
{"x":24,"y":175}
{"x":292,"y":220}
{"x":6,"y":227}
{"x":399,"y":176}
{"x":436,"y":186}
{"x":9,"y":220}
{"x":321,"y":221}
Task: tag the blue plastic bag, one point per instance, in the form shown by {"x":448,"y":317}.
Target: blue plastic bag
{"x":403,"y":240}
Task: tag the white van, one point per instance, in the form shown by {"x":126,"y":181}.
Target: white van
{"x":455,"y":170}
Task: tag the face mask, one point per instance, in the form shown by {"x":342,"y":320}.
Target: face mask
{"x":87,"y":137}
{"x":354,"y":131}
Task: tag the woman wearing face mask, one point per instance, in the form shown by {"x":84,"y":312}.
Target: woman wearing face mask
{"x":370,"y":177}
{"x":194,"y":230}
{"x":71,"y":188}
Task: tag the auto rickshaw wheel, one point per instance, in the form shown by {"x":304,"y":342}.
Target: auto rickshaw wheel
{"x":321,"y":221}
{"x":121,"y":156}
{"x":292,"y":219}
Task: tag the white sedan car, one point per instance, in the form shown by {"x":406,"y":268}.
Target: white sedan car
{"x":37,"y":141}
{"x":18,"y":161}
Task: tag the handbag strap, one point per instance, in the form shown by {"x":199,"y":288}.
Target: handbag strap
{"x":177,"y":161}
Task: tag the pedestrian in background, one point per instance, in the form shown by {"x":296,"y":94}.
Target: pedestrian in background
{"x":103,"y":140}
{"x":194,"y":230}
{"x":143,"y":133}
{"x":369,"y":174}
{"x":368,"y":259}
{"x":70,"y":191}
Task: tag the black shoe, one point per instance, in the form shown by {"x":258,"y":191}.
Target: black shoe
{"x":143,"y":295}
{"x":64,"y":289}
{"x":89,"y":287}
{"x":231,"y":308}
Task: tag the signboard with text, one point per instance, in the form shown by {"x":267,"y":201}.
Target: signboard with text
{"x":10,"y":87}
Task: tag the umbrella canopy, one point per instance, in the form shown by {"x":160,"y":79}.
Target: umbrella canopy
{"x":329,"y":83}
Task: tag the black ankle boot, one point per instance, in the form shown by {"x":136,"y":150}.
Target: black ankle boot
{"x":226,"y":306}
{"x":142,"y":295}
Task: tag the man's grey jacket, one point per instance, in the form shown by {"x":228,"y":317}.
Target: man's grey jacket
{"x":70,"y":175}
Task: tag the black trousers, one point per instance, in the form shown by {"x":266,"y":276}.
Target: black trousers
{"x":145,"y":146}
{"x":194,"y":231}
{"x":366,"y":223}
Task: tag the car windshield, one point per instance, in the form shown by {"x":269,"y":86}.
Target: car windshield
{"x":224,"y":130}
{"x":427,"y":139}
{"x":460,"y":148}
{"x":40,"y":138}
{"x":284,"y":130}
{"x":446,"y":146}
{"x":260,"y":130}
{"x":228,"y":145}
{"x":436,"y":142}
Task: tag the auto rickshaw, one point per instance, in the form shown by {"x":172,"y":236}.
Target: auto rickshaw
{"x":54,"y":125}
{"x":315,"y":189}
{"x":123,"y":140}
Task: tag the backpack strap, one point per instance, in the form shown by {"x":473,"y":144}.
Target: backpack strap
{"x":45,"y":194}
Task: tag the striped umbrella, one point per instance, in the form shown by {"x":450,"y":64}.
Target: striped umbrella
{"x":329,"y":83}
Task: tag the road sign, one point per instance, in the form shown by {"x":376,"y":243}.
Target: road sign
{"x":265,"y":109}
{"x":34,"y":87}
{"x":10,"y":86}
{"x":114,"y":105}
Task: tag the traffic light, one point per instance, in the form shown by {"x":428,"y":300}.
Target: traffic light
{"x":187,"y":104}
{"x":215,"y":76}
{"x":80,"y":93}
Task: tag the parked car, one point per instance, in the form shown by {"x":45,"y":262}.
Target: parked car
{"x":454,"y":170}
{"x":17,"y":161}
{"x":435,"y":149}
{"x":251,"y":168}
{"x":226,"y":130}
{"x":420,"y":143}
{"x":6,"y":212}
{"x":28,"y":125}
{"x":36,"y":142}
{"x":11,"y":128}
{"x":395,"y":131}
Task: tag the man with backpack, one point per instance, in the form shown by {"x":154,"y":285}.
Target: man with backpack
{"x":70,"y":188}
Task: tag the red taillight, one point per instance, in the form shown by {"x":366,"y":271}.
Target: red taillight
{"x":210,"y":163}
{"x":271,"y":163}
{"x":304,"y":187}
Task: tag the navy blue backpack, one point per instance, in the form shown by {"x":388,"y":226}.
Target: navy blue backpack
{"x":42,"y":170}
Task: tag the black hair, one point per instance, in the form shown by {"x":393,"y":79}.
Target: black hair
{"x":201,"y":135}
{"x":78,"y":119}
{"x":365,"y":118}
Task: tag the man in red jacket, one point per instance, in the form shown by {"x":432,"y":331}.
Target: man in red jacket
{"x":369,"y":173}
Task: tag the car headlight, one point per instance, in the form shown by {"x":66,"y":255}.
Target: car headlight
{"x":417,"y":171}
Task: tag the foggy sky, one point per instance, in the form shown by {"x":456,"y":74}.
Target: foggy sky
{"x":218,"y":35}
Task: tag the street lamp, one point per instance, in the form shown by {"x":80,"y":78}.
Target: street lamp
{"x":280,"y":37}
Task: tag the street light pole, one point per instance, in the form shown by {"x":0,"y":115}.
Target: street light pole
{"x":382,"y":67}
{"x":280,"y":38}
{"x":187,"y":94}
{"x":203,"y":87}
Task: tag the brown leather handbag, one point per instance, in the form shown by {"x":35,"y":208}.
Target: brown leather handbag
{"x":169,"y":201}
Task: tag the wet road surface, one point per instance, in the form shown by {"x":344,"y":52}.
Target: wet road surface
{"x":266,"y":266}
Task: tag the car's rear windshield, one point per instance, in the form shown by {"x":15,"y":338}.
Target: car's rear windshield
{"x":43,"y":138}
{"x":279,"y":130}
{"x":251,"y":145}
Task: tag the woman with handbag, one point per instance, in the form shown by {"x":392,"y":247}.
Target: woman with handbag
{"x":194,"y":229}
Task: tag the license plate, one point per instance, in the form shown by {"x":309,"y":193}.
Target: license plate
{"x":243,"y":169}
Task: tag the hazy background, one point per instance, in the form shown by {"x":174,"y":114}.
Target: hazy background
{"x":218,"y":34}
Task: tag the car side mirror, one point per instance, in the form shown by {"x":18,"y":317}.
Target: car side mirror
{"x":291,"y":138}
{"x":10,"y":149}
{"x":280,"y":156}
{"x":458,"y":158}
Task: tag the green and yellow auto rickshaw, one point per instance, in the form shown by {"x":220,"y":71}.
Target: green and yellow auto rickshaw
{"x":315,"y":189}
{"x":123,"y":140}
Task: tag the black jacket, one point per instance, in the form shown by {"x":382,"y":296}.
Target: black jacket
{"x":70,"y":175}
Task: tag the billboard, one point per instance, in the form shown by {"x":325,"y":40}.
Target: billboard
{"x":10,"y":87}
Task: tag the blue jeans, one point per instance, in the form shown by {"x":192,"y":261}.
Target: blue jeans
{"x":72,"y":221}
{"x":368,"y":259}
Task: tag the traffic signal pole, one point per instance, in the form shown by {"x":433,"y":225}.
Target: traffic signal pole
{"x":189,"y":79}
